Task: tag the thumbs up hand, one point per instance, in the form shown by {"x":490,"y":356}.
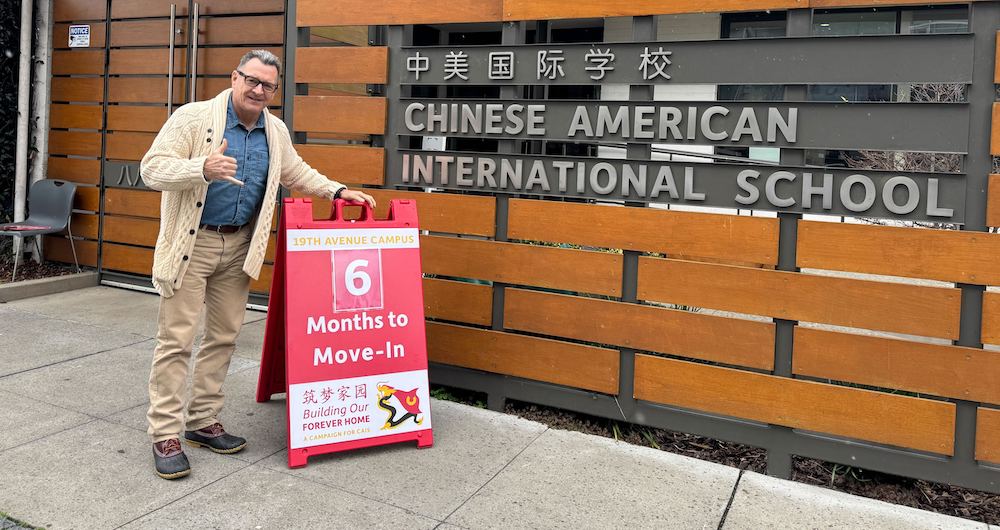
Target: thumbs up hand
{"x":218,"y":166}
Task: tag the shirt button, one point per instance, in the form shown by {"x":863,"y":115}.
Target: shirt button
{"x":191,"y":232}
{"x":185,"y":258}
{"x":210,"y":131}
{"x":198,"y":204}
{"x":209,"y":140}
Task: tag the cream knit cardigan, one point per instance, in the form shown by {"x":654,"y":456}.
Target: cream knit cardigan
{"x":174,"y":165}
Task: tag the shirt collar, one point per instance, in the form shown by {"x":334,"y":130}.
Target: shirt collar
{"x":233,"y":121}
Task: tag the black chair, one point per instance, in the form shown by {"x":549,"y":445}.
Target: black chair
{"x":50,"y":207}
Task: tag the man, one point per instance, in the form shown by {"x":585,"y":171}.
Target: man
{"x":219,"y":164}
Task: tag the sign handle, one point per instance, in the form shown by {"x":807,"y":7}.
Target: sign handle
{"x":337,"y":212}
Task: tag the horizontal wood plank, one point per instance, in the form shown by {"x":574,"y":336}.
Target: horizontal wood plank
{"x":991,"y":317}
{"x":143,"y":90}
{"x":341,"y":64}
{"x":436,"y":212}
{"x":78,"y":89}
{"x":341,"y":114}
{"x":670,"y":331}
{"x":946,"y":255}
{"x":890,"y":419}
{"x":136,"y":203}
{"x":993,"y":201}
{"x":550,"y":361}
{"x":458,"y":301}
{"x":911,"y":309}
{"x":380,"y":12}
{"x":125,"y":258}
{"x":161,"y":8}
{"x":557,"y":9}
{"x":75,"y":143}
{"x":971,"y":374}
{"x":60,"y":35}
{"x":57,"y":248}
{"x":210,"y":87}
{"x":988,"y":435}
{"x":553,"y":268}
{"x":78,"y":62}
{"x":252,"y":30}
{"x":128,"y":145}
{"x":77,"y":10}
{"x":356,"y":164}
{"x":85,"y":225}
{"x":87,"y":198}
{"x":211,"y":61}
{"x":676,"y":233}
{"x":80,"y":170}
{"x":131,"y":230}
{"x":148,"y":32}
{"x":136,"y":118}
{"x":64,"y":116}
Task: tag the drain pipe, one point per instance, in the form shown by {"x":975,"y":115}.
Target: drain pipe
{"x":23,"y":98}
{"x":41,"y":93}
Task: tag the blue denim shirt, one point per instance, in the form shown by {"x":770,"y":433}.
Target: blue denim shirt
{"x":227,"y":203}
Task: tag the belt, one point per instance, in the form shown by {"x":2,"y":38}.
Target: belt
{"x":222,"y":229}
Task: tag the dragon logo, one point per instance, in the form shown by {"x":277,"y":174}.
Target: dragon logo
{"x":393,"y":401}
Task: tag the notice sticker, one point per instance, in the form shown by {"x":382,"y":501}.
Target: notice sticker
{"x":79,"y":36}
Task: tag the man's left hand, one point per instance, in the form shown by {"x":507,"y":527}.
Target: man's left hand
{"x":358,"y":196}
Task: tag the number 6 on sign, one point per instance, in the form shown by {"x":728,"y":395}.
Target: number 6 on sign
{"x":357,"y":279}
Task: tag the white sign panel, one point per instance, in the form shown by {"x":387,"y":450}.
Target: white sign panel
{"x":79,"y":36}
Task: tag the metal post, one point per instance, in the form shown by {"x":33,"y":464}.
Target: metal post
{"x":643,"y":30}
{"x":983,"y":21}
{"x":512,"y":33}
{"x":779,"y":462}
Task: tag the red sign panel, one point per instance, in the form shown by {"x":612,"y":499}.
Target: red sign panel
{"x":345,"y":331}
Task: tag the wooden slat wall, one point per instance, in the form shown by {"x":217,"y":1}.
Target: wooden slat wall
{"x":711,"y":261}
{"x":76,"y":122}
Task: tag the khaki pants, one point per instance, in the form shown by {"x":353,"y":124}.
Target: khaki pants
{"x":216,"y":282}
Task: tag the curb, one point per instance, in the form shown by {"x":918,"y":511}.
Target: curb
{"x":43,"y":286}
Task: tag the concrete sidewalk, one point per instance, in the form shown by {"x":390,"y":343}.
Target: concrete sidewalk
{"x":74,"y":454}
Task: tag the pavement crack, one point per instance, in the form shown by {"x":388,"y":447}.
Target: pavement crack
{"x":188,"y":494}
{"x":75,"y":358}
{"x":732,"y":497}
{"x":501,"y":470}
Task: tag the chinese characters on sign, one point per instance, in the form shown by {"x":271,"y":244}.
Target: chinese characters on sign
{"x":550,"y":64}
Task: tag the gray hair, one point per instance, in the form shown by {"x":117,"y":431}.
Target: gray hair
{"x":263,"y":56}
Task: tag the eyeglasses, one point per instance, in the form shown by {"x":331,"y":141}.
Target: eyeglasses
{"x":253,"y":82}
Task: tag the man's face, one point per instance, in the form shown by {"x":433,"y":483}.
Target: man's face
{"x":247,"y":100}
